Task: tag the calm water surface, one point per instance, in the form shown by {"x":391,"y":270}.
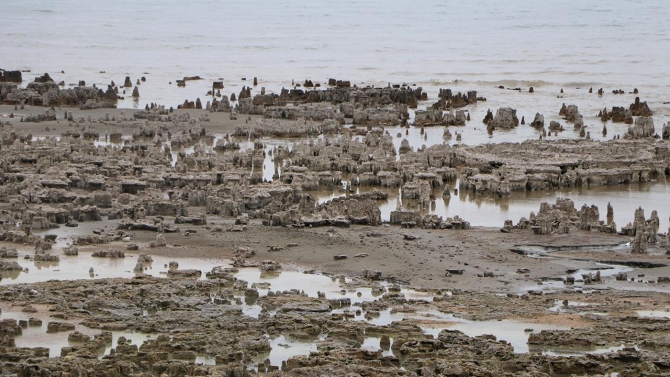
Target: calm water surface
{"x":465,"y":45}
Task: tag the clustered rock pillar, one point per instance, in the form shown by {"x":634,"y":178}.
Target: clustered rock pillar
{"x":640,"y":242}
{"x":639,"y":245}
{"x":589,"y":216}
{"x":652,"y":227}
{"x":610,"y":214}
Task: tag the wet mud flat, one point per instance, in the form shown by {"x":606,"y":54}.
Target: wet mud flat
{"x":476,"y":259}
{"x":197,"y":311}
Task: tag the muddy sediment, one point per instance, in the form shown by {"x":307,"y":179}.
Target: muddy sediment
{"x":195,"y":242}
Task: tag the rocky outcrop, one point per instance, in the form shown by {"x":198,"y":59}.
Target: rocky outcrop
{"x":640,"y":236}
{"x":418,"y":190}
{"x":452,"y":118}
{"x":10,"y":266}
{"x":538,"y":121}
{"x":390,"y":115}
{"x":47,"y":93}
{"x":10,"y":76}
{"x":48,"y":115}
{"x":640,"y":108}
{"x":340,"y":211}
{"x":571,"y":114}
{"x":379,"y":106}
{"x":652,"y":225}
{"x":45,"y":78}
{"x":112,"y":253}
{"x":562,"y":217}
{"x":274,"y":128}
{"x":534,"y":165}
{"x":505,"y":118}
{"x":617,"y":115}
{"x":433,"y":117}
{"x":555,"y":126}
{"x":406,"y":218}
{"x":428,"y":117}
{"x":449,"y":100}
{"x":221,"y":105}
{"x":6,"y":252}
{"x":643,"y":128}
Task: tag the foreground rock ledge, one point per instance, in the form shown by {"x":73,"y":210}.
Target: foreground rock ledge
{"x":185,"y":322}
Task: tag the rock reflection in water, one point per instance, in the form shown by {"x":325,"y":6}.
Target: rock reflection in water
{"x":8,"y":276}
{"x":491,"y":211}
{"x":512,"y":332}
{"x":374,"y":343}
{"x":284,"y":348}
{"x":77,"y":267}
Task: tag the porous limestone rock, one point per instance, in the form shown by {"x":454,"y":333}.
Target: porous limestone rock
{"x":643,"y":128}
{"x":505,"y":118}
{"x":538,"y":121}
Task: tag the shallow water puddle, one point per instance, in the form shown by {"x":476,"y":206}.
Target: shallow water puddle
{"x":310,"y":284}
{"x":570,"y":306}
{"x":539,"y":250}
{"x":333,"y":287}
{"x":373,"y":343}
{"x":37,"y":336}
{"x":510,"y":331}
{"x":654,"y":313}
{"x":66,"y":235}
{"x":576,"y":351}
{"x":432,"y":322}
{"x":608,"y":271}
{"x":78,"y":267}
{"x":205,"y":360}
{"x":284,"y":348}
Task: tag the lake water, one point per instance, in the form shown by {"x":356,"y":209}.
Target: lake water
{"x":467,"y":45}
